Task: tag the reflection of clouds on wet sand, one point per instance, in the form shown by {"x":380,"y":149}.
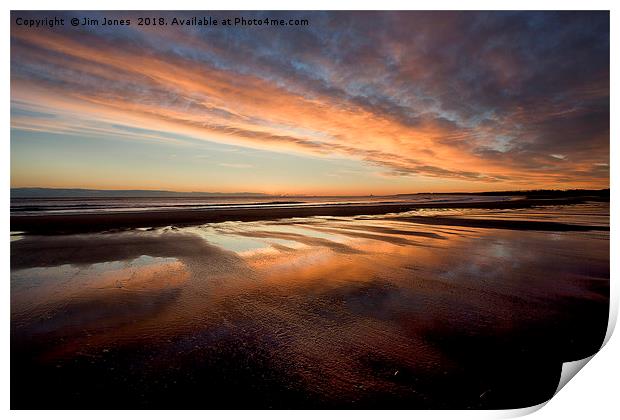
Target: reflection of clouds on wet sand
{"x":337,"y":309}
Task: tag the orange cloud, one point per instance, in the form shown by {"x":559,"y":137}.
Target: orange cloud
{"x":92,"y":80}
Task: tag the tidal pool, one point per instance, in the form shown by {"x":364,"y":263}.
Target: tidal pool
{"x":318,"y":312}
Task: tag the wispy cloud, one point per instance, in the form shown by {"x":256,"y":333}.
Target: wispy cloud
{"x":488,"y":98}
{"x":237,"y":165}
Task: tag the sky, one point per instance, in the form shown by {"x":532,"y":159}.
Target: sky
{"x":352,"y":103}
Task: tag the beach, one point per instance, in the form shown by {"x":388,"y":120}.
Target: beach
{"x":50,"y":222}
{"x":307,"y":210}
{"x":375,"y":305}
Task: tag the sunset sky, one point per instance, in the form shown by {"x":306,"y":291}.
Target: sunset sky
{"x":353,"y":103}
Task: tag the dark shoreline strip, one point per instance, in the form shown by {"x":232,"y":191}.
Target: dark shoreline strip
{"x":499,"y":223}
{"x":82,"y":223}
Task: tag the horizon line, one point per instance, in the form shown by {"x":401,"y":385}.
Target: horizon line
{"x":250,"y":193}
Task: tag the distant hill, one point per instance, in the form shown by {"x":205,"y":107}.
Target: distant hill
{"x":78,"y":192}
{"x":603,"y":193}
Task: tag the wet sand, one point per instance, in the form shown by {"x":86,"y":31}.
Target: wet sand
{"x":75,"y":223}
{"x":371,"y":311}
